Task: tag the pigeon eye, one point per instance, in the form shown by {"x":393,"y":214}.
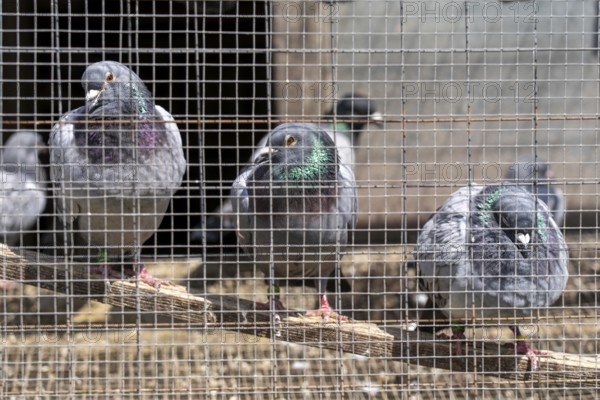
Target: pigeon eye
{"x":290,"y":140}
{"x":109,"y":77}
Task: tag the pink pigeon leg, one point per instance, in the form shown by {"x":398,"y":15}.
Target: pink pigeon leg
{"x":325,"y":311}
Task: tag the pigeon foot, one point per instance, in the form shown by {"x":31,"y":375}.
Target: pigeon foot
{"x":273,"y":304}
{"x":521,"y":347}
{"x":326,"y":312}
{"x":458,"y":338}
{"x":8,"y":285}
{"x":106,"y":272}
{"x":144,"y":276}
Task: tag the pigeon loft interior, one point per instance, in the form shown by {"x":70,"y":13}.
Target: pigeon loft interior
{"x":299,"y":199}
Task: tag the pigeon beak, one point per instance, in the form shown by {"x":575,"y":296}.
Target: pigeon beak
{"x":92,"y":94}
{"x":524,"y":238}
{"x":263,"y":154}
{"x":376,"y":118}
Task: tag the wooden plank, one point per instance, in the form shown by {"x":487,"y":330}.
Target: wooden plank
{"x":302,"y":60}
{"x":239,"y":315}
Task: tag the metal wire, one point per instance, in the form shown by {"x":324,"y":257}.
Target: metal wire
{"x":465,"y":90}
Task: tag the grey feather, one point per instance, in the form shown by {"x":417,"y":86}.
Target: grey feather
{"x":23,"y":185}
{"x":302,"y":223}
{"x":113,"y":181}
{"x":469,"y":258}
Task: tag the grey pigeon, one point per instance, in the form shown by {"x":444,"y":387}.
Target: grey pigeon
{"x":296,"y":205}
{"x":352,"y":113}
{"x":116,"y":163}
{"x":495,"y":250}
{"x":23,"y":186}
{"x":535,"y":176}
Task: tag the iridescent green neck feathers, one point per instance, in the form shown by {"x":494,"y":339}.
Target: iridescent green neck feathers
{"x":313,"y":167}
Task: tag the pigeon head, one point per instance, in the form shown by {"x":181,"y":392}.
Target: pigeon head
{"x":300,"y":152}
{"x":359,"y":109}
{"x":112,"y":89}
{"x":115,"y":95}
{"x":528,"y":171}
{"x":518,"y":214}
{"x":519,"y":227}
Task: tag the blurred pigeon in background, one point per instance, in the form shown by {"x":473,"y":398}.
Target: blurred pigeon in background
{"x":494,"y":251}
{"x":23,"y":188}
{"x":294,"y":207}
{"x":535,"y":176}
{"x":115,"y":168}
{"x":346,"y":122}
{"x":352,"y":113}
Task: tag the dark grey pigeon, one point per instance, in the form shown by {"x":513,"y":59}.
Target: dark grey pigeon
{"x":535,"y":176}
{"x":23,"y":186}
{"x":296,"y":204}
{"x":495,"y":250}
{"x":352,"y":113}
{"x":116,"y":163}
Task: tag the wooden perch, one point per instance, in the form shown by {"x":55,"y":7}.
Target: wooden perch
{"x":239,"y":315}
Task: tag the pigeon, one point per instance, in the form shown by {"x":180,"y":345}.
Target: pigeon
{"x":352,"y":113}
{"x":116,"y":162}
{"x":535,"y":176}
{"x":23,"y":187}
{"x":22,"y":190}
{"x":346,"y":122}
{"x":492,"y":251}
{"x":294,"y":207}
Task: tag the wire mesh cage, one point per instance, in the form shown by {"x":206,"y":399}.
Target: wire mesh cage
{"x":183,"y":180}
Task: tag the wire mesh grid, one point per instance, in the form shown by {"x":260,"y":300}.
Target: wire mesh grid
{"x":446,"y":148}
